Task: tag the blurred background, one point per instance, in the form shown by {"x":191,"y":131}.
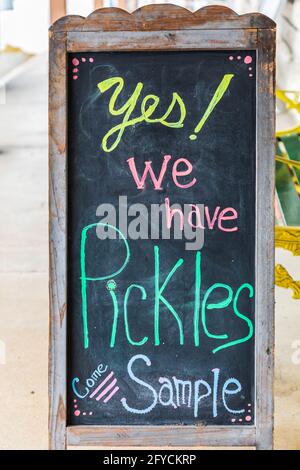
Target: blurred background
{"x":24,"y":212}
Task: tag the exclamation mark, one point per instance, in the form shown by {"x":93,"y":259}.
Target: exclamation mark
{"x":213,"y":103}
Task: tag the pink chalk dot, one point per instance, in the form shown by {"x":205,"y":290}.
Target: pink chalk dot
{"x":75,"y":70}
{"x":240,"y":419}
{"x":231,"y":57}
{"x":91,"y":60}
{"x":75,"y":77}
{"x":248,"y":59}
{"x":75,"y":401}
{"x":233,"y":420}
{"x":250,"y":75}
{"x":83,"y":59}
{"x":77,"y":413}
{"x":239,"y":57}
{"x":75,"y":406}
{"x":248,"y":418}
{"x":75,"y":62}
{"x":250,"y":68}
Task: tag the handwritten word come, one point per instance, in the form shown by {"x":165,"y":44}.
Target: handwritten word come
{"x":147,"y":108}
{"x":89,"y":382}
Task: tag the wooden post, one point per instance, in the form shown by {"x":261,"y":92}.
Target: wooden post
{"x":265,"y":245}
{"x":123,"y":4}
{"x":58,"y":8}
{"x":57,"y":241}
{"x":99,"y":4}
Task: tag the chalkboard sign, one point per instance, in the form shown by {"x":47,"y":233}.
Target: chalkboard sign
{"x":161,"y":228}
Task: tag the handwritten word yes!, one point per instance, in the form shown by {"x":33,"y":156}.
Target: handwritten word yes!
{"x":148,"y":107}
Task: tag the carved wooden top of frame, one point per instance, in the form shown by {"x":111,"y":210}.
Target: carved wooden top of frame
{"x":162,"y":17}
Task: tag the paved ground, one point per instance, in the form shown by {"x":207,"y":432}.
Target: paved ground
{"x":24,"y":260}
{"x":24,"y":280}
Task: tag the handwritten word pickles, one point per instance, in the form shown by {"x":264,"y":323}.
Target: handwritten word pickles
{"x":203,"y":308}
{"x":148,"y":107}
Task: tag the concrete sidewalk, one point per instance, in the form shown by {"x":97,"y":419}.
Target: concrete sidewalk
{"x":24,"y":280}
{"x":24,"y":260}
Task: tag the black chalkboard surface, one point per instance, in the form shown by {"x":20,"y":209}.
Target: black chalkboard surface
{"x":161,"y":329}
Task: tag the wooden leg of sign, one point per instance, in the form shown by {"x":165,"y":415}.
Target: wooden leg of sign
{"x":265,"y":244}
{"x":57,"y":240}
{"x":58,"y":9}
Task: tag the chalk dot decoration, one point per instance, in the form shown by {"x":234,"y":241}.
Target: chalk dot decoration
{"x":111,"y":285}
{"x":75,"y":406}
{"x":76,"y":62}
{"x":248,"y":59}
{"x":247,"y":417}
{"x":83,"y":413}
{"x":78,"y":412}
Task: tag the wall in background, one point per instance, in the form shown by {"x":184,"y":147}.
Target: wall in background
{"x":79,"y":7}
{"x":26,"y":26}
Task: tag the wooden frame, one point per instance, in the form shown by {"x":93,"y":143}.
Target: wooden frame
{"x":163,"y":27}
